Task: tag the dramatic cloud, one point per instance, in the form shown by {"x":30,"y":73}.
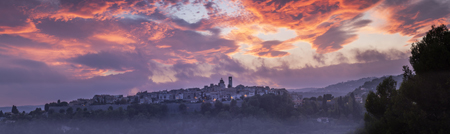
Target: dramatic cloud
{"x":56,"y":49}
{"x":23,"y":71}
{"x":315,"y":21}
{"x":375,"y":55}
{"x":414,"y":18}
{"x":191,"y":47}
{"x":110,"y":60}
{"x":270,"y":49}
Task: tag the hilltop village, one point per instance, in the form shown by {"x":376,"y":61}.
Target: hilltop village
{"x":213,"y":92}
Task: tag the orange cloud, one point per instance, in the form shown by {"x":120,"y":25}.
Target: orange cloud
{"x":99,"y":9}
{"x":154,"y":31}
{"x":29,"y":28}
{"x":413,"y":18}
{"x":270,"y":49}
{"x":117,"y":38}
{"x":309,"y":18}
{"x":163,"y":46}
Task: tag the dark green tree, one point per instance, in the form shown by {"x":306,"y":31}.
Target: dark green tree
{"x":51,"y":111}
{"x":324,"y":100}
{"x":218,"y":106}
{"x":378,"y":102}
{"x":164,"y":109}
{"x":69,"y":111}
{"x":205,"y":107}
{"x":430,"y":87}
{"x":320,"y":98}
{"x":233,"y":103}
{"x":46,"y":107}
{"x":422,"y":104}
{"x":63,"y":104}
{"x":182,"y":107}
{"x":14,"y":110}
{"x":110,"y":108}
{"x":1,"y":113}
{"x":431,"y":54}
{"x":62,"y":111}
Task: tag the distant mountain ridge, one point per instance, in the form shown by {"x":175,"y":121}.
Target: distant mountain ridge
{"x":27,"y":108}
{"x":372,"y":85}
{"x":344,"y":88}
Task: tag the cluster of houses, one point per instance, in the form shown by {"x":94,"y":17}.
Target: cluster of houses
{"x":213,"y":92}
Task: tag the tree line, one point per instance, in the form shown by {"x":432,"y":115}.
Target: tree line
{"x":422,"y":103}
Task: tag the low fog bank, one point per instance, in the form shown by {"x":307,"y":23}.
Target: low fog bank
{"x":194,"y":124}
{"x":259,"y":114}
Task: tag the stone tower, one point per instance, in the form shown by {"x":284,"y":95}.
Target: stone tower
{"x":230,"y":82}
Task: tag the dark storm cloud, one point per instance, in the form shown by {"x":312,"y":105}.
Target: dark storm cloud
{"x":193,"y":45}
{"x":321,"y":76}
{"x":229,"y":64}
{"x":320,"y":58}
{"x":373,"y":55}
{"x":271,"y":48}
{"x":39,"y":93}
{"x":22,"y":71}
{"x":76,"y":28}
{"x":407,"y":17}
{"x":18,"y":41}
{"x":335,"y":37}
{"x":327,"y":25}
{"x":41,"y":84}
{"x":12,"y":12}
{"x":111,"y":60}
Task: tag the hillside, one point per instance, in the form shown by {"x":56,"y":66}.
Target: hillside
{"x":345,"y":88}
{"x":372,"y":85}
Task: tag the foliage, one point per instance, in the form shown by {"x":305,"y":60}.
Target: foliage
{"x":188,"y":124}
{"x":182,"y":108}
{"x":431,"y":54}
{"x":422,"y":104}
{"x":14,"y":110}
{"x":342,"y":107}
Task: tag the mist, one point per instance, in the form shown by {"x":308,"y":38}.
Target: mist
{"x":192,"y":124}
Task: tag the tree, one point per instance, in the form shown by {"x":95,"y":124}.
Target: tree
{"x":233,"y":103}
{"x":432,"y":53}
{"x":182,"y":107}
{"x":46,"y":107}
{"x":110,"y":108}
{"x":320,"y":98}
{"x":164,"y":109}
{"x":429,"y":88}
{"x":218,"y":106}
{"x":51,"y":111}
{"x":62,"y":111}
{"x":123,"y":101}
{"x":378,"y":102}
{"x":63,"y":103}
{"x":38,"y":110}
{"x":1,"y":113}
{"x":69,"y":111}
{"x":205,"y":107}
{"x":422,"y":104}
{"x":14,"y":110}
{"x":324,"y":100}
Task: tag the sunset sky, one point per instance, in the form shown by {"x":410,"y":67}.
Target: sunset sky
{"x":69,"y":49}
